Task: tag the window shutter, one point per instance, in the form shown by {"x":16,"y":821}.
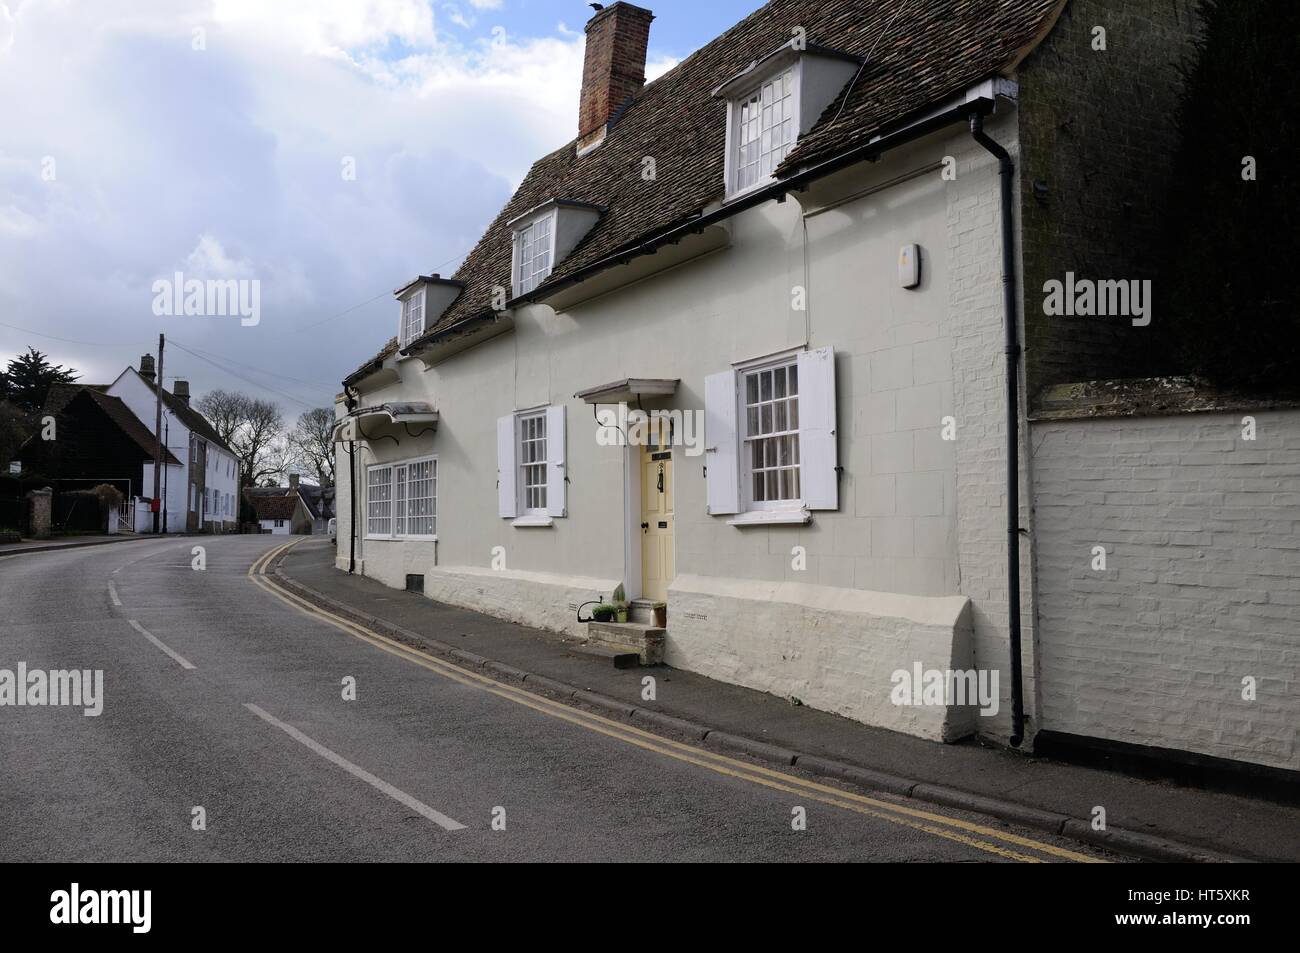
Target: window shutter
{"x":507,"y":500}
{"x":817,"y":447}
{"x":720,"y":443}
{"x":555,"y":461}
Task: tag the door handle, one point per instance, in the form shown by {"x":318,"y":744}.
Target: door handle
{"x":645,"y":526}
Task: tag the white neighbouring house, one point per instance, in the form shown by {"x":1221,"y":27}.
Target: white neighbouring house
{"x":201,"y":494}
{"x":794,"y":248}
{"x":293,"y":510}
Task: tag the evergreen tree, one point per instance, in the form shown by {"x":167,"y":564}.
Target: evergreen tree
{"x":26,"y":381}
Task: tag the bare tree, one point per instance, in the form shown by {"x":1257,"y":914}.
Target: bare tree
{"x":312,"y":445}
{"x":225,"y":410}
{"x":253,"y":428}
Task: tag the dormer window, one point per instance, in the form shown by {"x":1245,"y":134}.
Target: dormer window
{"x":412,"y":317}
{"x":544,"y":236}
{"x":765,"y":130}
{"x":423,"y":303}
{"x":774,"y":101}
{"x":534,"y":253}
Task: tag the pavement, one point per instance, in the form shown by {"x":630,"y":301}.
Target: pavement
{"x":239,"y":723}
{"x":65,"y":542}
{"x":1153,"y":819}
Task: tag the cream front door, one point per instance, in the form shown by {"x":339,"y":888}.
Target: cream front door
{"x":657,"y":568}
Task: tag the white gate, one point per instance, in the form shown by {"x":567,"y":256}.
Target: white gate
{"x":126,"y":516}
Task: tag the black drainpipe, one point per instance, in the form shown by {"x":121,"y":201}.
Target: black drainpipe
{"x":351,"y":403}
{"x":1007,"y":171}
{"x":352,"y":493}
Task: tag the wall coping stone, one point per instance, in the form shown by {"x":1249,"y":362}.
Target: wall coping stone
{"x":1145,"y":397}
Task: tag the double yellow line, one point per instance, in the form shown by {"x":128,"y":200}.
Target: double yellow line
{"x":1000,"y":843}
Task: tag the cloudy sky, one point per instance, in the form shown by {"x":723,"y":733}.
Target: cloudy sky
{"x":140,"y":138}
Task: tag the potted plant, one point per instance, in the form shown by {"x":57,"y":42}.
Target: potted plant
{"x":661,"y":615}
{"x":619,"y":601}
{"x":603,"y":613}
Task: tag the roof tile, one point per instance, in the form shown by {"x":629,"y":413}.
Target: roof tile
{"x":920,"y":52}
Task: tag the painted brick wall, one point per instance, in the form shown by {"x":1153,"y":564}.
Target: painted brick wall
{"x":1098,"y":129}
{"x":1201,"y":586}
{"x":975,"y":325}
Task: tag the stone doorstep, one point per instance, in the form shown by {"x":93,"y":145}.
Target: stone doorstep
{"x":626,"y":656}
{"x":645,"y":640}
{"x":641,"y":611}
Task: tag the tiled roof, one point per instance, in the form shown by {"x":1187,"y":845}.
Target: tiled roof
{"x":273,"y":507}
{"x":376,"y":362}
{"x":61,"y":395}
{"x":319,"y":500}
{"x":190,"y":417}
{"x":131,"y":425}
{"x":921,"y":52}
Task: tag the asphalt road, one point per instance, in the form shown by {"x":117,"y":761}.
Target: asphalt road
{"x":219,"y":695}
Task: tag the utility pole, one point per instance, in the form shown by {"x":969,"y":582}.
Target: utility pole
{"x":158,"y":463}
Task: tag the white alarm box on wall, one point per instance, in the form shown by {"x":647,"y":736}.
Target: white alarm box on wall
{"x":909,"y":266}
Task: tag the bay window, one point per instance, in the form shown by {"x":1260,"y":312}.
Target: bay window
{"x":402,"y":500}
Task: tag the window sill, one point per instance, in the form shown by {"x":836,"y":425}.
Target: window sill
{"x":400,"y":539}
{"x":747,"y":190}
{"x":799,"y":517}
{"x":525,"y":522}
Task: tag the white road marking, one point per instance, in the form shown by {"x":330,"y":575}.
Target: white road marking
{"x":149,"y":555}
{"x":442,"y":820}
{"x":112,"y":594}
{"x":150,"y":636}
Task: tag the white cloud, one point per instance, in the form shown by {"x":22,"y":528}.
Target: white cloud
{"x":229,"y":159}
{"x":6,"y":27}
{"x":323,"y":25}
{"x":16,"y":221}
{"x":656,"y":67}
{"x":210,"y":260}
{"x":455,"y":16}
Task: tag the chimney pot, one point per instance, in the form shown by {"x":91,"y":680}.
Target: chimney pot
{"x":613,"y":70}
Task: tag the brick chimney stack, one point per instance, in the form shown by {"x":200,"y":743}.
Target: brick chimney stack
{"x":293,"y":481}
{"x":181,"y":389}
{"x":147,"y":367}
{"x":614,"y":69}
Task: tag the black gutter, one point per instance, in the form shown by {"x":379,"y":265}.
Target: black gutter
{"x":1007,"y":170}
{"x":420,"y":344}
{"x":867,"y":152}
